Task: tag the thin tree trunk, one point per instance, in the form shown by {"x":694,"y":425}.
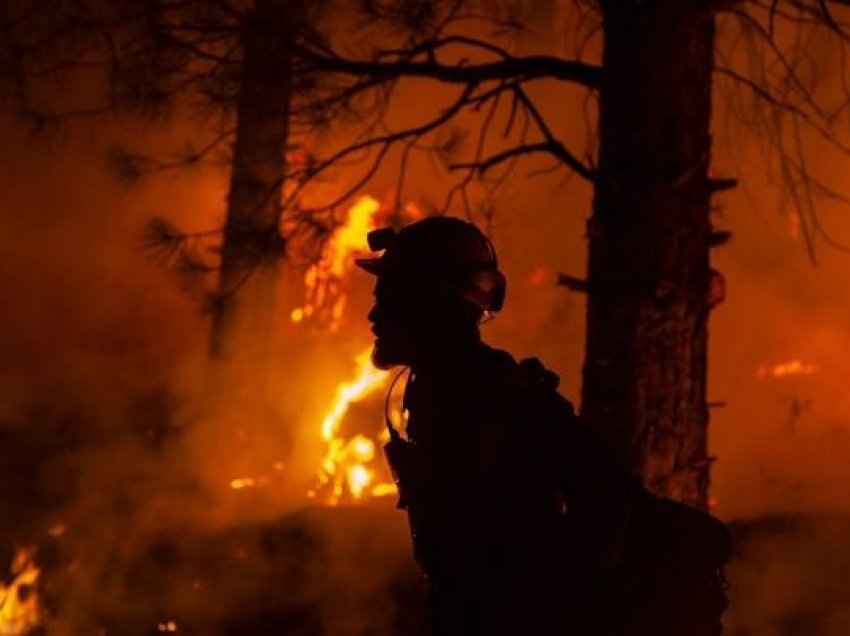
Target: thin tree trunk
{"x":242,"y":320}
{"x":644,"y":378}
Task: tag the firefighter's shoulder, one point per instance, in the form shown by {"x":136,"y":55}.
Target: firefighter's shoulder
{"x":524,"y":384}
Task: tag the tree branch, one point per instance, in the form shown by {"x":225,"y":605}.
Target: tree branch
{"x":510,"y":67}
{"x":785,"y":105}
{"x":556,"y":149}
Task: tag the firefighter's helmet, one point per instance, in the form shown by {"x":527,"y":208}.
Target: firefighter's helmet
{"x":444,"y":251}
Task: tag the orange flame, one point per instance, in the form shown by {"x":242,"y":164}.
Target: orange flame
{"x":345,"y":466}
{"x":786,"y":369}
{"x":241,"y":483}
{"x":19,"y":603}
{"x":347,"y":469}
{"x":324,"y":279}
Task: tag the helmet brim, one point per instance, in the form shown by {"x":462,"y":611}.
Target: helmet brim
{"x":375,"y":266}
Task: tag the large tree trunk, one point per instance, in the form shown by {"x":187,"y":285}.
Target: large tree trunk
{"x":644,"y":381}
{"x":243,"y":314}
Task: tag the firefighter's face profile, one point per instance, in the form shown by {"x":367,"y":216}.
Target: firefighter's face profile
{"x":399,"y":322}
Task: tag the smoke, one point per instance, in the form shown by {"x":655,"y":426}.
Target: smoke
{"x":116,"y":460}
{"x":782,"y":443}
{"x":789,"y":577}
{"x":95,"y":345}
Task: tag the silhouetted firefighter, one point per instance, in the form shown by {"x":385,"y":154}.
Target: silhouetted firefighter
{"x":524,"y":521}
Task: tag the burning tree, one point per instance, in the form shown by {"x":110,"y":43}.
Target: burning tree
{"x":649,"y":68}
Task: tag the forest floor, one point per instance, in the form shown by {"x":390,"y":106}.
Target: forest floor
{"x":347,"y":571}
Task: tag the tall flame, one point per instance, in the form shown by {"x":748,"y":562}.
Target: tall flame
{"x":324,"y":279}
{"x":19,"y":603}
{"x":345,"y":466}
{"x":347,"y":469}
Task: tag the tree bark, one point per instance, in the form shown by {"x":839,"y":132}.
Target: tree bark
{"x":644,"y":376}
{"x":243,"y":311}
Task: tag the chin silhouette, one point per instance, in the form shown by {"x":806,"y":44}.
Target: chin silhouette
{"x":382,"y":356}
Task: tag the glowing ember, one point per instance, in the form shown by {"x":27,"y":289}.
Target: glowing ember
{"x":56,"y":531}
{"x":345,"y":466}
{"x":167,"y":627}
{"x":324,"y":279}
{"x":786,"y":369}
{"x":241,"y":483}
{"x":539,"y":276}
{"x":19,"y":606}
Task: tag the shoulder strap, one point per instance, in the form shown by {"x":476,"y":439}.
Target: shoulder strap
{"x":394,"y":434}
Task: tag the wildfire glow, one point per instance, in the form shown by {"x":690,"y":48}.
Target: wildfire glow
{"x":19,"y":605}
{"x":786,"y":369}
{"x":348,"y":470}
{"x":324,"y":279}
{"x":345,"y":465}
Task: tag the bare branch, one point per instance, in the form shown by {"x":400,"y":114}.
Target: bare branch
{"x":572,"y":283}
{"x":558,"y":149}
{"x":778,"y":102}
{"x":510,"y":67}
{"x":384,"y":142}
{"x":500,"y":157}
